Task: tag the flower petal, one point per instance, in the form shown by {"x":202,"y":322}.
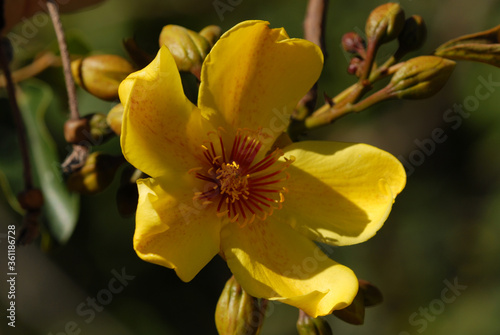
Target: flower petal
{"x":160,"y":125}
{"x":340,"y":193}
{"x":270,"y":260}
{"x":173,"y":231}
{"x":254,"y":76}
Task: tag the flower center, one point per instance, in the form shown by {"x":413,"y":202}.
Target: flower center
{"x":242,"y":187}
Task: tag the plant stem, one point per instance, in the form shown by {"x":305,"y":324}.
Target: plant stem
{"x":63,"y":47}
{"x":21,"y":130}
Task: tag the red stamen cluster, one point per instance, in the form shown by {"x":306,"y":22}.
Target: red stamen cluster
{"x":242,"y":189}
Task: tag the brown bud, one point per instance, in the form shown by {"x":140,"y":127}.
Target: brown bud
{"x":101,"y":75}
{"x":76,"y":131}
{"x":307,"y":325}
{"x":413,"y":35}
{"x":355,"y":65}
{"x":95,"y":175}
{"x":385,"y":23}
{"x":188,"y":48}
{"x":115,"y":118}
{"x":420,"y":77}
{"x":31,"y":200}
{"x":353,"y":43}
{"x":211,"y":34}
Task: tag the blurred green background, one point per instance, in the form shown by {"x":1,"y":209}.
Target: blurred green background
{"x":444,"y":227}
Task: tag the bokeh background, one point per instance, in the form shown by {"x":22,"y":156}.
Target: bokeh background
{"x":444,"y":227}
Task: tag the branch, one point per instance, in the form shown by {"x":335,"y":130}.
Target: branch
{"x":63,"y":47}
{"x":18,"y":120}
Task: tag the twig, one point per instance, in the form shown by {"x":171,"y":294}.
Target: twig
{"x":63,"y":47}
{"x":78,"y":156}
{"x":31,"y":70}
{"x":21,"y":130}
{"x":314,"y":31}
{"x":315,"y":22}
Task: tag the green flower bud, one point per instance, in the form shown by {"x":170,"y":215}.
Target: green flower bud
{"x":307,"y":325}
{"x":115,"y":118}
{"x":420,"y":77}
{"x":99,"y":128}
{"x":95,"y":175}
{"x":101,"y":75}
{"x":237,"y":312}
{"x":355,"y":312}
{"x":385,"y":23}
{"x":413,"y":35}
{"x":211,"y":34}
{"x":188,"y":47}
{"x":481,"y":47}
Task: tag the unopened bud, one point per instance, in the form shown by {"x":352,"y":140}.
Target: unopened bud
{"x":420,"y":77}
{"x":95,"y":175}
{"x":188,"y":48}
{"x":413,"y":35}
{"x":115,"y":118}
{"x":385,"y":23}
{"x":31,"y":199}
{"x":101,"y":75}
{"x":307,"y":325}
{"x":479,"y":47}
{"x":237,"y":312}
{"x":76,"y":131}
{"x":355,"y":312}
{"x":355,"y":65}
{"x":99,"y":129}
{"x":353,"y":43}
{"x":211,"y":34}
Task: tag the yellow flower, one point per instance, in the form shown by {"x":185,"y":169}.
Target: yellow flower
{"x":223,"y":180}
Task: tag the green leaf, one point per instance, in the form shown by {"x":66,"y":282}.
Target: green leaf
{"x":61,"y":207}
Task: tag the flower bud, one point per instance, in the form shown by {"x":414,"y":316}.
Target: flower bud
{"x":353,"y":43}
{"x":99,"y":128}
{"x":31,"y":199}
{"x":76,"y":131}
{"x":307,"y":325}
{"x":237,"y":312}
{"x":188,"y":48}
{"x":355,"y":65}
{"x":101,"y":75}
{"x":355,"y":312}
{"x":211,"y":34}
{"x":481,"y":47}
{"x":420,"y":77}
{"x":95,"y":175}
{"x":385,"y":23}
{"x":413,"y":35}
{"x":115,"y":118}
